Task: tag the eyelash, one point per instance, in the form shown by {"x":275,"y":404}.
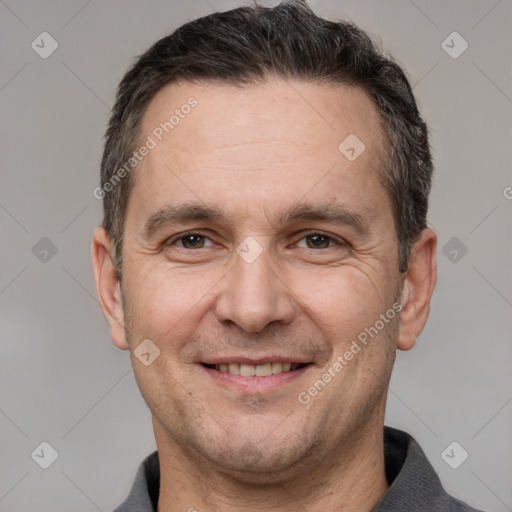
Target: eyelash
{"x":173,"y":240}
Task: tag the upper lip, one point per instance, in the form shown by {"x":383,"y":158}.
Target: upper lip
{"x":255,"y":361}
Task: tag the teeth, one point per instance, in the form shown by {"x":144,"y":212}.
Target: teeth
{"x":277,"y":368}
{"x":234,"y":368}
{"x":247,"y":370}
{"x":261,"y":370}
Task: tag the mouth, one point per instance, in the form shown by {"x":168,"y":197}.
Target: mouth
{"x":255,"y":377}
{"x":258,"y":370}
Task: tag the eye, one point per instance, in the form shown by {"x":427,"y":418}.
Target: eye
{"x":314,"y":240}
{"x":320,"y":241}
{"x":190,"y":241}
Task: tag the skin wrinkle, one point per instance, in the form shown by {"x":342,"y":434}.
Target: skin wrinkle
{"x":310,"y":303}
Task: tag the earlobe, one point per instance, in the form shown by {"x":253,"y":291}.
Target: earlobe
{"x":417,"y":290}
{"x":108,"y":286}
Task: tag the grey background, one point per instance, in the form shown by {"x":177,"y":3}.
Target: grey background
{"x":63,"y":381}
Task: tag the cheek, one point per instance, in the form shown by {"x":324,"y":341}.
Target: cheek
{"x":166,"y":306}
{"x":342,"y":301}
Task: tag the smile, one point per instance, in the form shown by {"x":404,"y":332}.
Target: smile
{"x":260,"y":370}
{"x":255,"y":376}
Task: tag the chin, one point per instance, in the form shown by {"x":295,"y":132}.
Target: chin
{"x":266,"y":461}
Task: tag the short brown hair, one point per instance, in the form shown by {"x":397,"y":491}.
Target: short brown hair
{"x":249,"y":44}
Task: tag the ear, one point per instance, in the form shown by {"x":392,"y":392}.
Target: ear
{"x":418,"y":287}
{"x":108,"y":287}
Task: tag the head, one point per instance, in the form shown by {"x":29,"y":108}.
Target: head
{"x":292,"y":152}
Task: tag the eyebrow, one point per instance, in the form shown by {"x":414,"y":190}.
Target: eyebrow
{"x":185,"y":213}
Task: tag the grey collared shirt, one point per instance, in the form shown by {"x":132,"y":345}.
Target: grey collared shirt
{"x":414,"y":485}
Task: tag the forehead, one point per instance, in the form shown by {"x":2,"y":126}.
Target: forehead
{"x":327,"y":113}
{"x":280,"y":139}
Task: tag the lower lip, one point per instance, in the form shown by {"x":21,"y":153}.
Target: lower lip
{"x":256,"y":384}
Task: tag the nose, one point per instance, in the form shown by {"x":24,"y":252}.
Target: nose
{"x":254,"y":294}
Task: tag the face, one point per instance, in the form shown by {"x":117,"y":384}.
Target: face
{"x":257,"y":257}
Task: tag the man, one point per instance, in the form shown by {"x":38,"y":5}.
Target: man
{"x":264,"y":252}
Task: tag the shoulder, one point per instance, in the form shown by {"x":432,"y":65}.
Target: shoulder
{"x":413,"y":483}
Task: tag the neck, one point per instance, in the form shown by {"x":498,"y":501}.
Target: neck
{"x":350,"y":477}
